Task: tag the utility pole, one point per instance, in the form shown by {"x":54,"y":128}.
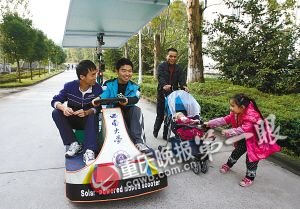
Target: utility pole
{"x":140,"y":57}
{"x":49,"y":65}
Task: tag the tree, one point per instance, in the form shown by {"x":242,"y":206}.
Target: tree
{"x":256,"y":47}
{"x":15,"y":38}
{"x":9,"y":7}
{"x":37,"y":49}
{"x":14,"y":6}
{"x":157,"y":53}
{"x":40,"y":47}
{"x":62,"y":56}
{"x":70,"y":54}
{"x":31,"y":55}
{"x":170,"y":26}
{"x":111,"y":56}
{"x":55,"y":54}
{"x":78,"y":54}
{"x":195,"y":22}
{"x":125,"y":50}
{"x":58,"y":56}
{"x":89,"y":54}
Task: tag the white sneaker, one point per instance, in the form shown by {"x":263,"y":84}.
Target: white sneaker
{"x":88,"y":157}
{"x":74,"y":148}
{"x":142,"y":147}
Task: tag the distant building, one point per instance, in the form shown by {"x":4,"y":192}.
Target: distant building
{"x":212,"y":71}
{"x":26,"y":65}
{"x":5,"y":68}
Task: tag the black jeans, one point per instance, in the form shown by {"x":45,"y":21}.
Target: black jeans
{"x":65,"y":125}
{"x":239,"y":150}
{"x":135,"y":123}
{"x":160,"y":115}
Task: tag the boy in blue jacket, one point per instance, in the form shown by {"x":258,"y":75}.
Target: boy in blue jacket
{"x":79,"y":112}
{"x":122,"y":85}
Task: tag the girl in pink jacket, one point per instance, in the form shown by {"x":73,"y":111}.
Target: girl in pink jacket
{"x":243,"y":116}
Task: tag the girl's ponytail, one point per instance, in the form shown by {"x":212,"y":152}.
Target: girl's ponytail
{"x":256,"y":108}
{"x":242,"y":99}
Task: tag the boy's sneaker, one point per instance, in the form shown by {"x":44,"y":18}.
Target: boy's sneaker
{"x":246,"y":182}
{"x":74,"y":148}
{"x":88,"y":157}
{"x":225,"y":168}
{"x":142,"y":148}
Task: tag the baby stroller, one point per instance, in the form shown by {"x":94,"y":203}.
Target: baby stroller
{"x":181,"y":101}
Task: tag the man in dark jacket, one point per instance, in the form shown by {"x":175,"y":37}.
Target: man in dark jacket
{"x":170,"y":77}
{"x":79,"y":113}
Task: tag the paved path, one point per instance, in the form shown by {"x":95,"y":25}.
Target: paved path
{"x":32,"y":165}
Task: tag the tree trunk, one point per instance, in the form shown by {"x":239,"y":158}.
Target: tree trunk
{"x":126,"y":50}
{"x":30,"y":66}
{"x":19,"y":71}
{"x":156,"y":53}
{"x":4,"y":64}
{"x":195,"y":60}
{"x":201,"y":67}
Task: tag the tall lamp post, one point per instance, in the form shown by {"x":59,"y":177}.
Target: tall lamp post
{"x":140,"y":57}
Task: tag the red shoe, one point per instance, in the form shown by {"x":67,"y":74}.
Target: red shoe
{"x":225,"y":168}
{"x":246,"y":182}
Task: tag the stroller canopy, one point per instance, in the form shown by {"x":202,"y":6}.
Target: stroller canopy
{"x":183,"y":99}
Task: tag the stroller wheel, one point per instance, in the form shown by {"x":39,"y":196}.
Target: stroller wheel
{"x":204,"y":166}
{"x":159,"y":148}
{"x":162,"y":149}
{"x":196,"y":166}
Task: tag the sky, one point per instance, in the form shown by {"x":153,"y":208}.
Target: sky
{"x":50,"y":17}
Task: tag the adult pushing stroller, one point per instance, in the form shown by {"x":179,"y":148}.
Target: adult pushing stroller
{"x":179,"y":102}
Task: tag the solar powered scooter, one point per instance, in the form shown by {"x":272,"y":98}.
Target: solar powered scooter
{"x":120,"y":170}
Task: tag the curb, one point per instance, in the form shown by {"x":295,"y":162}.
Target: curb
{"x":286,"y":162}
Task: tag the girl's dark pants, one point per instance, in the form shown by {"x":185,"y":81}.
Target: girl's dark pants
{"x":239,"y":150}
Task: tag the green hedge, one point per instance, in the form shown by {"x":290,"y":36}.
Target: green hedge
{"x":213,"y":96}
{"x":28,"y":82}
{"x":13,"y":77}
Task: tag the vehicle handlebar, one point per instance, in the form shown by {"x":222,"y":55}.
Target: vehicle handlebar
{"x":108,"y":101}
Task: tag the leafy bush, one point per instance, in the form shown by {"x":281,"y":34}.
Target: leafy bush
{"x":278,"y":81}
{"x":258,"y":47}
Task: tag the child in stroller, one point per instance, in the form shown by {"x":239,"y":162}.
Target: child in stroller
{"x":190,"y":129}
{"x":183,"y":119}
